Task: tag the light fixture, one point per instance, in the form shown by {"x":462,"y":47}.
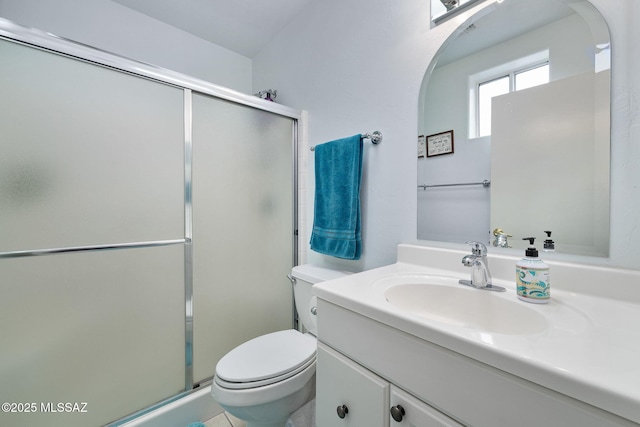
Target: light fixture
{"x":269,"y":94}
{"x":450,"y":4}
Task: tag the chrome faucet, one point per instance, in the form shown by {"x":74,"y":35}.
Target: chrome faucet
{"x":480,"y":274}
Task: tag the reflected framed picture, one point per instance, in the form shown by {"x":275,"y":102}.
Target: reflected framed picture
{"x":422,"y":146}
{"x":440,"y":143}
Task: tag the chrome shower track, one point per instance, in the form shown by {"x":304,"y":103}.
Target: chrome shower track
{"x":91,"y":248}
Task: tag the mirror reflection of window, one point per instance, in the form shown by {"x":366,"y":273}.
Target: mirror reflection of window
{"x":486,"y":92}
{"x":514,"y":81}
{"x":533,"y":77}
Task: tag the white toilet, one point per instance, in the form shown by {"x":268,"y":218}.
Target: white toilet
{"x":266,"y":379}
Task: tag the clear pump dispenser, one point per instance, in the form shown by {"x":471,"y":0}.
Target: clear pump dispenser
{"x":549,"y":244}
{"x":532,"y":276}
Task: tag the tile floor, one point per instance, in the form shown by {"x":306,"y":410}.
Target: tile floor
{"x":224,"y":420}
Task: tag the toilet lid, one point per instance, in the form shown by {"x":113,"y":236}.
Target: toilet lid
{"x":271,"y":356}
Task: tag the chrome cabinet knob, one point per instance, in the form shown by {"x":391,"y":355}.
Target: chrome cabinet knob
{"x":397,"y":413}
{"x":342,"y":411}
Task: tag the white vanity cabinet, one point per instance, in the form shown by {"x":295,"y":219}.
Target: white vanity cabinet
{"x":350,"y":395}
{"x":366,"y":365}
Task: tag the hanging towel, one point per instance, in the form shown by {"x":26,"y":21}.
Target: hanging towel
{"x":336,"y":222}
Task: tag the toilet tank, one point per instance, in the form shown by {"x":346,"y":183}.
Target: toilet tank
{"x":306,"y":275}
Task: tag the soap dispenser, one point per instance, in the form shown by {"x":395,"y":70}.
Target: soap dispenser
{"x":549,"y":245}
{"x":532,"y":276}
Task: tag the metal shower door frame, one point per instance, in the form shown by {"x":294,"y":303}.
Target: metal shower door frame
{"x":37,"y":39}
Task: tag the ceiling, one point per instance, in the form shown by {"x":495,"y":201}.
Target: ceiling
{"x":246,"y":26}
{"x":507,"y":20}
{"x":242,"y":26}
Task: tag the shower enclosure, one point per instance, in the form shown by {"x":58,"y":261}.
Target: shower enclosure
{"x":147,"y":224}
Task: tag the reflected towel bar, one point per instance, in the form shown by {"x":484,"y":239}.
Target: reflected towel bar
{"x":375,"y":137}
{"x":486,"y":184}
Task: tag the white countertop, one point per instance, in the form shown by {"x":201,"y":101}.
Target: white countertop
{"x":589,"y":351}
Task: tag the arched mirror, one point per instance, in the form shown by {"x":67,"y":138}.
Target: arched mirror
{"x":514,"y":129}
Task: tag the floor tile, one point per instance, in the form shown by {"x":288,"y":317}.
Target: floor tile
{"x":234,"y":421}
{"x":218,"y":421}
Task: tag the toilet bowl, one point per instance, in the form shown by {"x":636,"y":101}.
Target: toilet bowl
{"x":264,"y":380}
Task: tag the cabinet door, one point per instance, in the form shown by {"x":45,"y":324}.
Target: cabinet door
{"x":411,"y":412}
{"x":347,"y":394}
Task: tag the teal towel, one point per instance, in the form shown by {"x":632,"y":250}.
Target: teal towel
{"x":336,"y":221}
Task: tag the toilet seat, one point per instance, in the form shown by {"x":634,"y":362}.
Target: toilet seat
{"x":266,"y":360}
{"x":261,"y":383}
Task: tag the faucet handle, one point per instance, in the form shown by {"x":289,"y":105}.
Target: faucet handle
{"x":477,"y":248}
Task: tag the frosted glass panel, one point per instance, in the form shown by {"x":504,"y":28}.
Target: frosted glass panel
{"x":89,"y":155}
{"x":105,"y":328}
{"x":575,"y":165}
{"x":243,"y":227}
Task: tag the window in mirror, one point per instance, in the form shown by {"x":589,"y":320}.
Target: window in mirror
{"x":518,"y":73}
{"x":486,"y":92}
{"x":536,"y":76}
{"x":514,"y":80}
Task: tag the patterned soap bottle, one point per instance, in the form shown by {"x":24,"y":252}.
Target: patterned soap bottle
{"x":532,"y":276}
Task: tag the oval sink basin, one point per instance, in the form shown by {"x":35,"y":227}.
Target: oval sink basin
{"x":444,"y":300}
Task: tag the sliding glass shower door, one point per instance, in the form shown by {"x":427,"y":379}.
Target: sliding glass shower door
{"x":145,"y":230}
{"x":243,"y":217}
{"x":92,"y":159}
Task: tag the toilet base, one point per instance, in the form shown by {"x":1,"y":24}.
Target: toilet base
{"x":274,"y":414}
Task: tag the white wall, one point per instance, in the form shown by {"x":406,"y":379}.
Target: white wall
{"x":357,"y":65}
{"x":112,"y":27}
